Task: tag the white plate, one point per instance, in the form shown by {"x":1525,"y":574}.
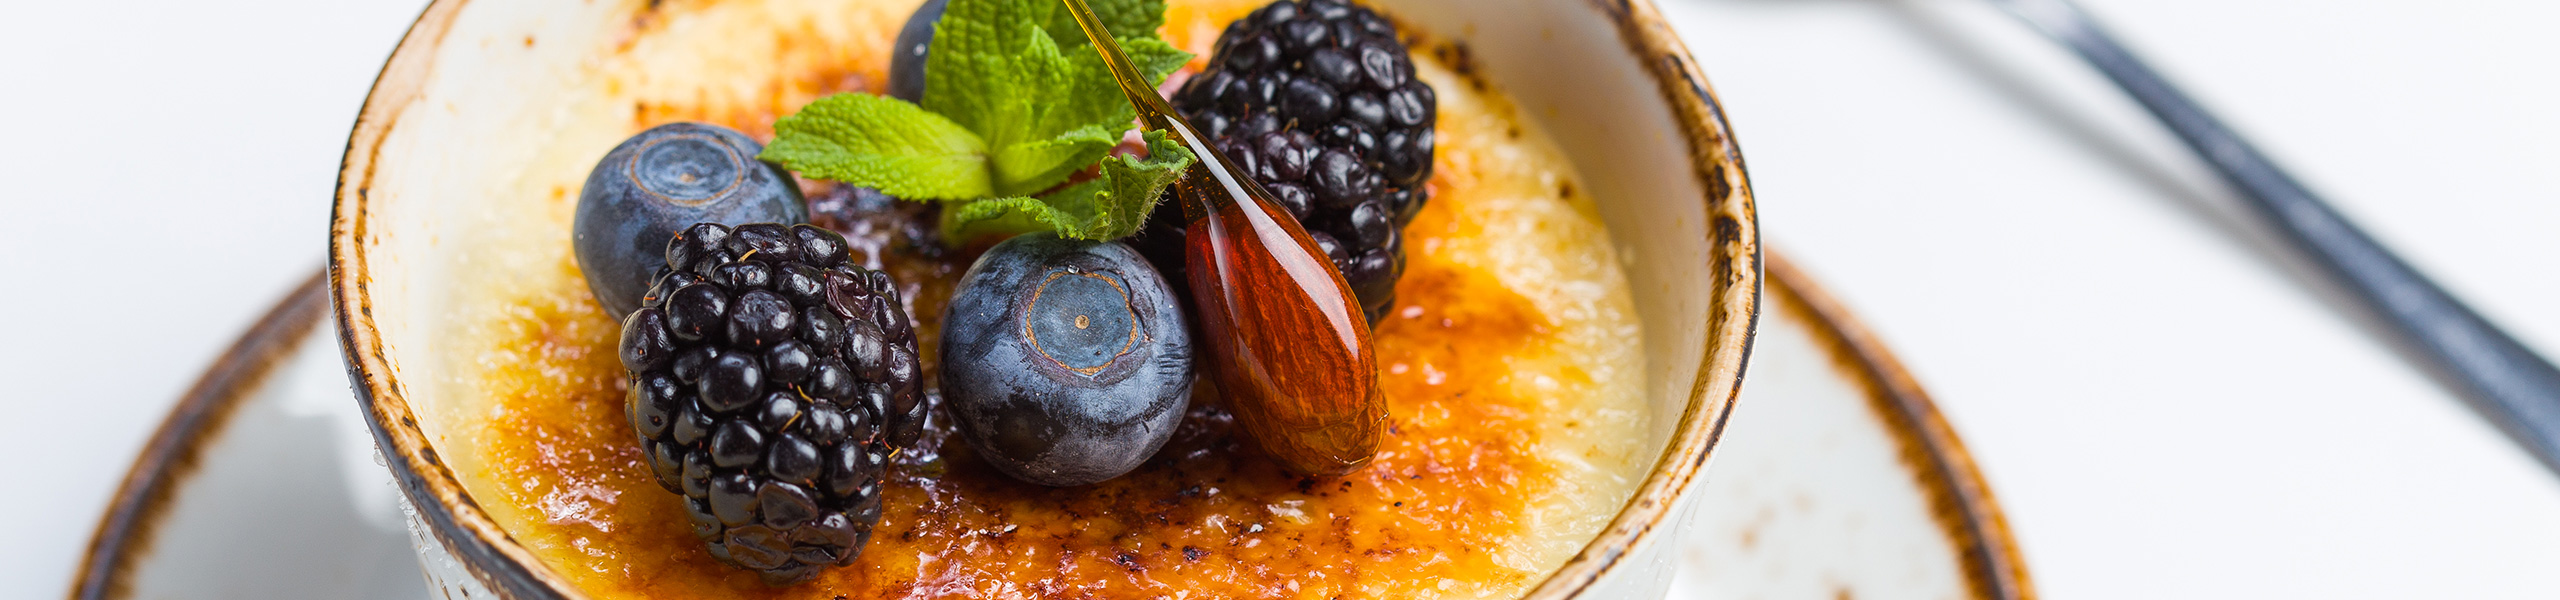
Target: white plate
{"x":1844,"y":484}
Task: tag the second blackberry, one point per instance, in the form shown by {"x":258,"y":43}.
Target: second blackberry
{"x":1318,"y":100}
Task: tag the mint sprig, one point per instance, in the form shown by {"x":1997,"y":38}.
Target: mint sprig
{"x":1112,"y":205}
{"x":882,"y":143}
{"x":1016,"y":102}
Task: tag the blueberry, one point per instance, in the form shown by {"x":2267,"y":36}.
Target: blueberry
{"x":906,"y":61}
{"x":1064,"y":362}
{"x":661,"y":181}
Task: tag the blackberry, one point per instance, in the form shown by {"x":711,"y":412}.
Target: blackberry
{"x":1318,"y":100}
{"x":771,"y":381}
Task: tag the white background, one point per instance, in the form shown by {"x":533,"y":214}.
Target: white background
{"x":2163,"y":404}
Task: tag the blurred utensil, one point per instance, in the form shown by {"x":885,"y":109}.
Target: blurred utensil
{"x":2515,"y":388}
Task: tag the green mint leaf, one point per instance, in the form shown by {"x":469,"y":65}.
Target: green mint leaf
{"x":1026,"y":80}
{"x":1127,"y":188}
{"x":1017,"y":102}
{"x":1154,"y":57}
{"x":998,"y":218}
{"x":1124,"y":18}
{"x":1112,"y":205}
{"x":995,"y":71}
{"x":882,"y":143}
{"x":1030,"y":166}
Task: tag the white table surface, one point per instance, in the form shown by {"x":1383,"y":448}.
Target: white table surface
{"x":2165,"y":408}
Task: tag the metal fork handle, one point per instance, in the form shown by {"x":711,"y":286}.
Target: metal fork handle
{"x":2515,"y":388}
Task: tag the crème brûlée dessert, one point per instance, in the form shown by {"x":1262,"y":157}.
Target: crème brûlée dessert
{"x":1508,"y":361}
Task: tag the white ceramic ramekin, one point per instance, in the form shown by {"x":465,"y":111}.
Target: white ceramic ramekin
{"x":1607,"y":79}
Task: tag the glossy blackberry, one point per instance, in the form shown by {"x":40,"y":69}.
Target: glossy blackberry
{"x":771,"y":381}
{"x":1318,"y":99}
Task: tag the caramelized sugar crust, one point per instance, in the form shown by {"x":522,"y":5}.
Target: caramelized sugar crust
{"x":1465,"y":499}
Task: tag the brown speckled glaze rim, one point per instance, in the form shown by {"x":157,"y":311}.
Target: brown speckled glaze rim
{"x":1733,"y":317}
{"x":125,"y":534}
{"x":496,"y":558}
{"x":1959,"y":499}
{"x":485,"y":549}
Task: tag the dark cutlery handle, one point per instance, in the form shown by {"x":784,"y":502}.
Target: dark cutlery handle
{"x":2516,"y":388}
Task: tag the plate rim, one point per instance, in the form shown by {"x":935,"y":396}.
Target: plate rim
{"x":151,"y":487}
{"x":1961,"y":501}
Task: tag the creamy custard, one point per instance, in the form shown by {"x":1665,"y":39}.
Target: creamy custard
{"x":1510,"y":365}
